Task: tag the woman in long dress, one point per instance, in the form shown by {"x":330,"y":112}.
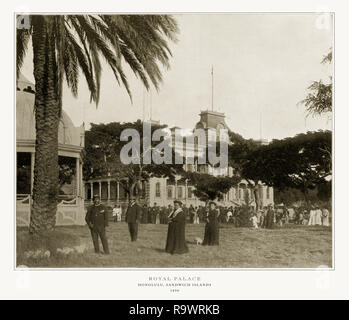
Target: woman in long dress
{"x":270,"y":217}
{"x":312,"y":216}
{"x":176,"y":243}
{"x":211,"y":237}
{"x":318,"y":216}
{"x":157,"y":219}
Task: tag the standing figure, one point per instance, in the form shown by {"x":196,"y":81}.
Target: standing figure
{"x":97,"y":221}
{"x":157,"y":215}
{"x":191,"y":214}
{"x":114,"y":214}
{"x":162,"y":215}
{"x":325,"y":217}
{"x":211,"y":237}
{"x":259,"y":218}
{"x":201,"y":213}
{"x":117,"y":213}
{"x":150,"y":215}
{"x":269,"y":219}
{"x":133,"y":217}
{"x":176,"y":231}
{"x":306,"y":217}
{"x":154,"y":213}
{"x":145,"y":214}
{"x":196,"y":216}
{"x":318,"y":216}
{"x":254,"y":221}
{"x":300,"y":217}
{"x":229,"y":214}
{"x":312,"y":216}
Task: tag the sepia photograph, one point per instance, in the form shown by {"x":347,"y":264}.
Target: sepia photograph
{"x":174,"y":140}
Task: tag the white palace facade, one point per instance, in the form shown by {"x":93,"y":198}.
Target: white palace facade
{"x":163,"y":191}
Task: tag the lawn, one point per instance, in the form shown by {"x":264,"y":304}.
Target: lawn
{"x":291,"y":246}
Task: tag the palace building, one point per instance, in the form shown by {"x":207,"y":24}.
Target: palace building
{"x":71,"y":142}
{"x":164,"y":191}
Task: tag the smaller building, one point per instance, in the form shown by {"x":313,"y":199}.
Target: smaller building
{"x":71,"y":141}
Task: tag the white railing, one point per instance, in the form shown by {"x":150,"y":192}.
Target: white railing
{"x":23,"y":205}
{"x":69,"y":212}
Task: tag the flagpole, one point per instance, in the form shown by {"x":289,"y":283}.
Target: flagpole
{"x":212,"y":88}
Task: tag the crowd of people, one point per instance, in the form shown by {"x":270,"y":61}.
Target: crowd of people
{"x":243,"y":216}
{"x":176,"y":216}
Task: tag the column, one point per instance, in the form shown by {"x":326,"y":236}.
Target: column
{"x":82,"y":184}
{"x":100,"y":190}
{"x":108,"y":189}
{"x":91,"y":184}
{"x":186,"y":192}
{"x":118,"y":191}
{"x":32,"y":161}
{"x":175,"y":191}
{"x":77,"y":175}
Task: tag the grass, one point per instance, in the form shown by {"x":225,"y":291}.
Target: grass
{"x":291,"y":246}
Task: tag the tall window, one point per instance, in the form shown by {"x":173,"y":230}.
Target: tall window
{"x":169,"y":192}
{"x":190,"y":192}
{"x":157,"y":190}
{"x":180,"y":192}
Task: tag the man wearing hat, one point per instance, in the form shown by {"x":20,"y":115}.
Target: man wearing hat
{"x":176,"y":243}
{"x":133,"y":217}
{"x":97,"y":220}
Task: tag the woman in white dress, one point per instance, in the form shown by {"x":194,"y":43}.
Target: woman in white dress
{"x":318,"y":216}
{"x":312,"y":216}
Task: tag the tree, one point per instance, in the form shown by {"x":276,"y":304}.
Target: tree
{"x":62,"y":46}
{"x":302,"y":162}
{"x":209,"y":187}
{"x":103,"y":156}
{"x":319,"y":99}
{"x":239,"y":151}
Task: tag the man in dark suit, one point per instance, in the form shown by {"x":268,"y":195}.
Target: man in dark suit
{"x":133,"y":217}
{"x":97,"y":220}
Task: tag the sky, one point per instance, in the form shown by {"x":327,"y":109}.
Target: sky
{"x":263,"y":64}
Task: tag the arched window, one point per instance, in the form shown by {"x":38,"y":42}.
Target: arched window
{"x":157,"y":190}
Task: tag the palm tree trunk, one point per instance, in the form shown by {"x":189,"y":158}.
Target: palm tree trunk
{"x":47,"y":115}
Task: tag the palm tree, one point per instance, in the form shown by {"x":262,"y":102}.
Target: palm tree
{"x":62,"y":46}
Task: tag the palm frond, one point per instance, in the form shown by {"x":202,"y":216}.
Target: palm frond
{"x":84,"y":65}
{"x":22,"y":39}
